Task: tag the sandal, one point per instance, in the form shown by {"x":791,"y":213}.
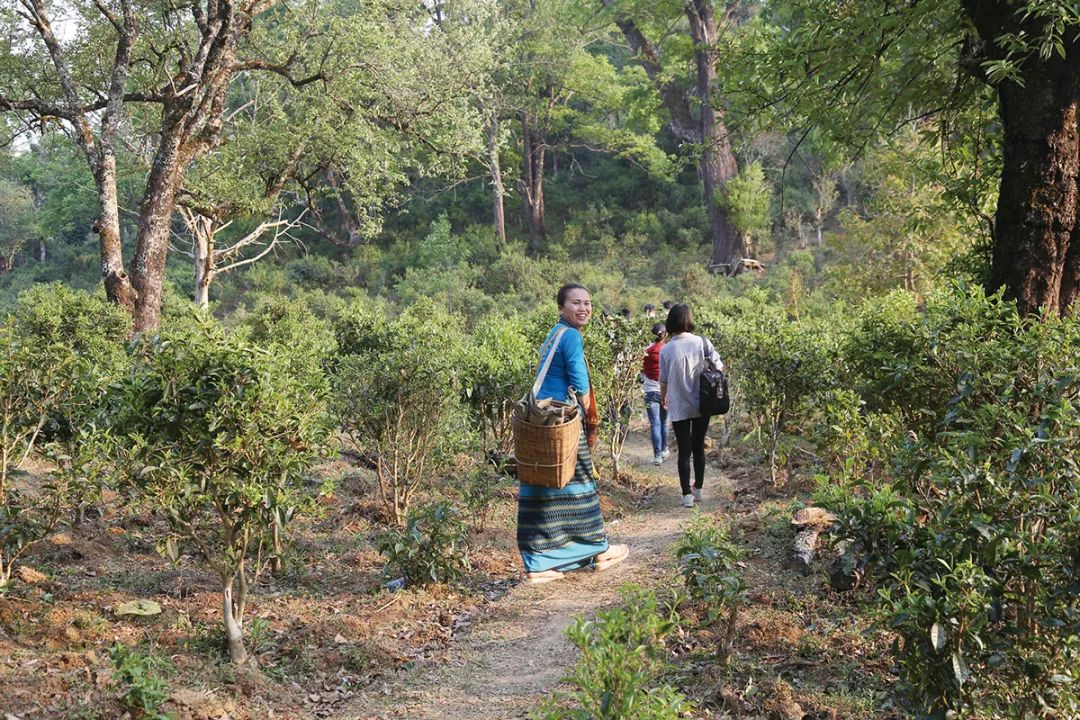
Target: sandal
{"x":539,"y":578}
{"x":612,"y":556}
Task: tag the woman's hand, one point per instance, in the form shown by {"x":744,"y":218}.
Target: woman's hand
{"x":663,"y":395}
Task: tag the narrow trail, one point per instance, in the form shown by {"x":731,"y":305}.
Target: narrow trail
{"x":518,"y":653}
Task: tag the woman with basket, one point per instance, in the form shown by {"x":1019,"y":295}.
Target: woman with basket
{"x":560,"y":528}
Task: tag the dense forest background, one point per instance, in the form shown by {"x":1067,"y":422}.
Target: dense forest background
{"x":272,"y":274}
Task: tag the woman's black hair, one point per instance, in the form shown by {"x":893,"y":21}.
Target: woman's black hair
{"x":657,"y":329}
{"x":679,"y":319}
{"x":561,"y":297}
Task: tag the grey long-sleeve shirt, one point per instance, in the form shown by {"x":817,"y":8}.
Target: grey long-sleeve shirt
{"x":681,"y":362}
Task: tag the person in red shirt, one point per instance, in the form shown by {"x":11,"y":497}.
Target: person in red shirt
{"x":650,"y":369}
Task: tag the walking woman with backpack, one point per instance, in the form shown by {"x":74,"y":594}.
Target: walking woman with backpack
{"x":682,"y":360}
{"x":561,"y":529}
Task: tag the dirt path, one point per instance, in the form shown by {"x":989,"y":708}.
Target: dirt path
{"x":518,"y":653}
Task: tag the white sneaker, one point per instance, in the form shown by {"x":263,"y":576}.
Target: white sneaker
{"x":697,"y":494}
{"x":688,"y":501}
{"x":657,"y":459}
{"x":664,"y":454}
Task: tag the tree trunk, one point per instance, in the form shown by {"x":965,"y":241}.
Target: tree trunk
{"x":497,"y":189}
{"x":203,"y":231}
{"x":118,"y":287}
{"x":1036,"y":252}
{"x":42,"y":254}
{"x":155,"y":225}
{"x":717,"y":159}
{"x":532,"y":179}
{"x":234,"y":621}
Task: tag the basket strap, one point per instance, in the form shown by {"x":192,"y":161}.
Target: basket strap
{"x":553,"y":343}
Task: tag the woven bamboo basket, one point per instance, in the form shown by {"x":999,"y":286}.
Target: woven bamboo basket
{"x":546,"y":454}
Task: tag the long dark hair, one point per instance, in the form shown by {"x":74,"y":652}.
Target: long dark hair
{"x":561,"y":297}
{"x":679,"y":319}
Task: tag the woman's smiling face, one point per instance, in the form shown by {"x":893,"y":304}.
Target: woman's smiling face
{"x":576,"y":308}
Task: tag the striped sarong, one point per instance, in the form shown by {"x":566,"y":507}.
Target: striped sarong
{"x":561,"y":529}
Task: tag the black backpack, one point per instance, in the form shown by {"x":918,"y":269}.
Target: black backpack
{"x":713,"y":396}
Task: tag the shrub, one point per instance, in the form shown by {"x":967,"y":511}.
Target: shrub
{"x":397,"y":399}
{"x":707,"y":561}
{"x":218,"y":435}
{"x":497,"y":370}
{"x":35,"y":378}
{"x":780,"y":368}
{"x":139,"y":675}
{"x":622,"y":655}
{"x":616,"y":377}
{"x":78,"y":341}
{"x":974,"y":541}
{"x":431,"y":547}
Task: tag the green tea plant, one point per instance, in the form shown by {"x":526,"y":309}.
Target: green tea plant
{"x":33,"y":379}
{"x":708,"y":560}
{"x":622,"y":658}
{"x":432,"y":547}
{"x":782,"y":368}
{"x":79,"y":340}
{"x":973,"y":541}
{"x":140,"y":677}
{"x":497,"y":370}
{"x":218,"y":436}
{"x":479,"y":490}
{"x":397,"y":397}
{"x":621,"y":368}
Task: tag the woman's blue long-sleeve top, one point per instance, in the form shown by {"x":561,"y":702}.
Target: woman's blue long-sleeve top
{"x":568,"y":368}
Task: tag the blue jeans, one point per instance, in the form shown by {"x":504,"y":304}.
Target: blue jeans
{"x":657,"y":422}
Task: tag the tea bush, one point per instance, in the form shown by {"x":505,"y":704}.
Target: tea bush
{"x":974,"y":537}
{"x":397,"y":392}
{"x":140,"y":677}
{"x":432,"y":547}
{"x":708,"y":560}
{"x":622,"y":658}
{"x":218,"y":436}
{"x":781,"y":369}
{"x":496,"y":371}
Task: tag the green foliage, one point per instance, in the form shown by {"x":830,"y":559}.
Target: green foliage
{"x":397,"y":396}
{"x":747,"y":198}
{"x":432,"y":547}
{"x":141,"y":679}
{"x":36,"y":378}
{"x":615,"y":350}
{"x":496,"y":371}
{"x":16,"y":221}
{"x":290,"y":328}
{"x":218,"y":437}
{"x":778,"y":368}
{"x":973,"y":538}
{"x":904,"y":229}
{"x":622,"y":656}
{"x":708,"y":560}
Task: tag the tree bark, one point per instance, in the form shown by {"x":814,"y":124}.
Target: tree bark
{"x":497,"y":189}
{"x":118,"y":287}
{"x":155,"y":224}
{"x":532,"y":180}
{"x":1036,"y":251}
{"x":717,"y":159}
{"x":203,"y":232}
{"x":705,"y":128}
{"x":234,"y":621}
